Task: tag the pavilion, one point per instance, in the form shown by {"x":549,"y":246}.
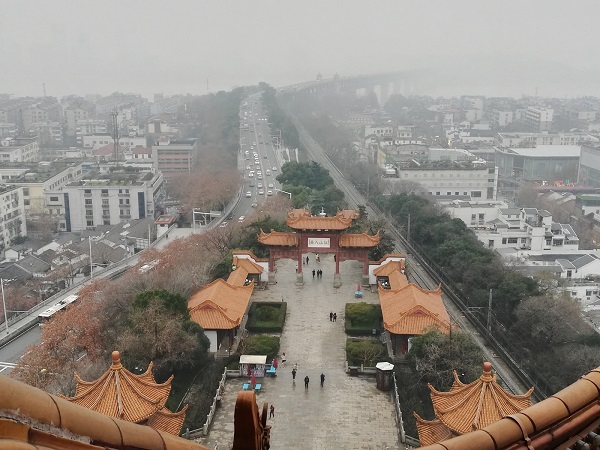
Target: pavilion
{"x":124,"y":395}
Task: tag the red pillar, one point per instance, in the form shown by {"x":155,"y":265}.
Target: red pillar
{"x":366,"y":264}
{"x":299,"y":259}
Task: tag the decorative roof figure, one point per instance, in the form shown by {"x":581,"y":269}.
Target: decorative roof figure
{"x":135,"y":398}
{"x":469,"y":407}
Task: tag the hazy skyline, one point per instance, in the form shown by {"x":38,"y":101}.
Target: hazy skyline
{"x":145,"y":46}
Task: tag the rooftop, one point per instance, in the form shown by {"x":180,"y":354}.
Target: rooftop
{"x":545,"y":151}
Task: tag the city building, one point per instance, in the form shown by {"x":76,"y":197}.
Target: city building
{"x":41,"y":183}
{"x":50,"y":134}
{"x":542,"y":163}
{"x":500,"y":118}
{"x":589,"y":166}
{"x":110,"y":195}
{"x":8,"y":129}
{"x":78,"y":111}
{"x":173,"y":157}
{"x":477,"y":180}
{"x":468,"y":407}
{"x":124,"y":395}
{"x":46,"y":109}
{"x":88,"y":127}
{"x":12,"y":214}
{"x":96,"y":141}
{"x":536,"y":139}
{"x":473,"y":214}
{"x":528,"y":229}
{"x":538,"y":118}
{"x":19,"y":149}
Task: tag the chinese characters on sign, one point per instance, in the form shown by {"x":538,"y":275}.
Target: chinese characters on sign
{"x":319,"y":242}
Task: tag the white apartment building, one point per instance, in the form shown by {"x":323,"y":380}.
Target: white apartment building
{"x":8,"y":129}
{"x":96,"y":141}
{"x":73,"y":115}
{"x":528,"y":229}
{"x":89,"y":127}
{"x":379,"y":131}
{"x":535,"y":139}
{"x":12,"y":214}
{"x":473,"y":214}
{"x":109,"y":198}
{"x":539,"y":119}
{"x":19,"y":149}
{"x":474,"y":179}
{"x":501,"y":119}
{"x":50,"y":133}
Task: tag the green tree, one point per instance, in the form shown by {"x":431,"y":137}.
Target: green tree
{"x":436,"y":355}
{"x":309,"y":174}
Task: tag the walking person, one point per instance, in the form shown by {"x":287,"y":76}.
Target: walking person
{"x":331,"y":316}
{"x":335,"y":317}
{"x":306,"y":380}
{"x":294,"y":374}
{"x":322,"y":379}
{"x":283,"y":359}
{"x":313,"y":273}
{"x":307,"y":260}
{"x":271,"y":411}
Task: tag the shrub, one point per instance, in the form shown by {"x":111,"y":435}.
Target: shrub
{"x":362,"y":318}
{"x":365,"y":351}
{"x":260,"y":345}
{"x":266,"y":317}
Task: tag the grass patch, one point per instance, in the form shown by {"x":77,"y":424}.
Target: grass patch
{"x":260,"y":345}
{"x":362,"y":318}
{"x":266,"y":317}
{"x":365,"y":351}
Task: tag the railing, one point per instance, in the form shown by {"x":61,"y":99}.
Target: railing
{"x":213,"y":409}
{"x":398,"y":409}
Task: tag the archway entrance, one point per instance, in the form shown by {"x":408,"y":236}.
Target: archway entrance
{"x":316,"y":234}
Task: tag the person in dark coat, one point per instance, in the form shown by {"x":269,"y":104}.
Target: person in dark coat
{"x":313,"y":273}
{"x":306,"y":380}
{"x":294,"y":373}
{"x":271,"y":411}
{"x":331,"y":316}
{"x":334,"y":317}
{"x":322,"y":379}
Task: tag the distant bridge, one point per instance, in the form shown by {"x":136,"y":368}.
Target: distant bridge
{"x":382,"y":84}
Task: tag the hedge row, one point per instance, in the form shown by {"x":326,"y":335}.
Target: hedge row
{"x":258,"y":325}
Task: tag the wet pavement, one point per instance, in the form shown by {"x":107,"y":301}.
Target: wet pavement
{"x":347,"y":412}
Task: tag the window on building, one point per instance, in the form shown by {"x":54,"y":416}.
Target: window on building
{"x":504,"y":240}
{"x":475,"y":193}
{"x":523,"y":240}
{"x":89,"y":213}
{"x":106,"y":222}
{"x":448,"y":193}
{"x":588,"y":293}
{"x":481,"y":216}
{"x":473,"y":216}
{"x":104,"y":191}
{"x":53,"y":199}
{"x":105,"y":202}
{"x":513,"y":240}
{"x":26,"y":202}
{"x":87,"y":191}
{"x":90,"y":223}
{"x":26,"y":192}
{"x":437,"y":193}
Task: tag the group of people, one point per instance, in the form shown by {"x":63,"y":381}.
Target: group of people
{"x":332,"y":317}
{"x":306,"y":378}
{"x":318,"y":273}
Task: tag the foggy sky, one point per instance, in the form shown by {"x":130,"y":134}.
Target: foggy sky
{"x":508,"y":47}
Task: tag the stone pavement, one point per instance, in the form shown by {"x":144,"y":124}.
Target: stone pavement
{"x":348,"y":412}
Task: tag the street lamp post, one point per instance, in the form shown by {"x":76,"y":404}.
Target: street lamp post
{"x":279,"y":190}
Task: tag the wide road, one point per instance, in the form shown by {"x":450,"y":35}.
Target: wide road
{"x":419,"y":274}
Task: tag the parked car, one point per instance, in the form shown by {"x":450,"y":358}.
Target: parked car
{"x":242,"y":218}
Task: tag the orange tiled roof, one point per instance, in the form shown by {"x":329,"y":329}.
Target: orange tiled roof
{"x":243,"y":267}
{"x":397,"y":280}
{"x":390,"y":267}
{"x":411,"y":310}
{"x":280,"y":238}
{"x":219,"y":305}
{"x":359,"y":240}
{"x":300,"y":219}
{"x":431,"y":431}
{"x":165,"y":420}
{"x":468,"y":407}
{"x":124,"y":395}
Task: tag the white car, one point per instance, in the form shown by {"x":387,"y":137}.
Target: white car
{"x":248,"y":194}
{"x":274,"y":169}
{"x":261,"y":192}
{"x":250,"y":174}
{"x":242,"y":218}
{"x":270,"y":186}
{"x":260,"y":185}
{"x":269,"y":192}
{"x":223,"y":225}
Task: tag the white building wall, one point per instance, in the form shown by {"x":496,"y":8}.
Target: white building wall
{"x":212,"y":337}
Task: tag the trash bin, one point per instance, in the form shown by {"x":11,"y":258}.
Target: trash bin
{"x":383,"y":375}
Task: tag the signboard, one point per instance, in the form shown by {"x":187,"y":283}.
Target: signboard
{"x":319,"y":242}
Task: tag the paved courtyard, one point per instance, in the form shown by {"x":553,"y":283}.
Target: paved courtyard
{"x":348,"y":412}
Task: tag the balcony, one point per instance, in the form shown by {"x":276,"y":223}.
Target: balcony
{"x":89,"y":206}
{"x":104,"y":194}
{"x":123,"y":194}
{"x":125,"y":216}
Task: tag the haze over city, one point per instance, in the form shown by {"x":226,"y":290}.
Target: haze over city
{"x":490,"y":48}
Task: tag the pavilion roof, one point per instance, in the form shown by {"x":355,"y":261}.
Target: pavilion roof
{"x":243,"y":267}
{"x":469,"y":407}
{"x":359,"y":240}
{"x":411,"y":310}
{"x":220,"y":305}
{"x":278,"y":238}
{"x":165,"y":420}
{"x":431,"y":431}
{"x":386,"y":269}
{"x":124,"y":395}
{"x":300,"y":219}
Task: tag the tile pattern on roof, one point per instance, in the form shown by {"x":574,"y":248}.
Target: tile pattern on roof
{"x":468,"y":407}
{"x":167,"y":421}
{"x":359,"y":240}
{"x":220,"y":305}
{"x":124,"y":395}
{"x":431,"y":431}
{"x":412,"y":310}
{"x":300,"y":219}
{"x":278,"y":238}
{"x":386,"y":269}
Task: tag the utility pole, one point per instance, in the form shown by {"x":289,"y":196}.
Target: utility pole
{"x":91,"y":265}
{"x":4,"y":304}
{"x":408,"y":233}
{"x":489,"y":315}
{"x":149,"y":236}
{"x":115,"y":121}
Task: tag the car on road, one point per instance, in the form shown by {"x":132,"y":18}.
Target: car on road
{"x":223,"y":225}
{"x":254,"y":204}
{"x":251,"y":184}
{"x":261,"y":192}
{"x":269,"y":192}
{"x":242,"y":218}
{"x":248,"y":194}
{"x":249,"y":167}
{"x":270,"y":186}
{"x":265,"y":157}
{"x":268,"y":172}
{"x":260,"y":185}
{"x":274,"y":169}
{"x":260,"y":177}
{"x":250,"y":174}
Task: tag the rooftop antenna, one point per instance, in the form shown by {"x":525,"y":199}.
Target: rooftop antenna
{"x":115,"y":115}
